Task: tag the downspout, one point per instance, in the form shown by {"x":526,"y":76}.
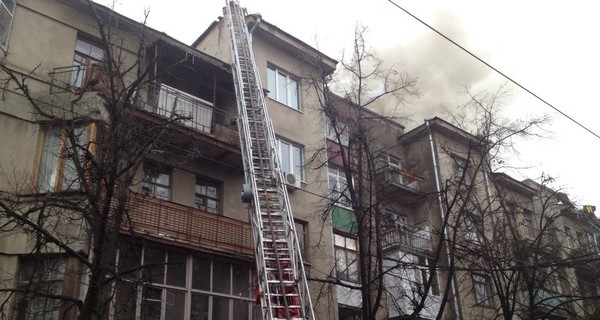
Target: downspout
{"x":486,"y":179}
{"x":438,"y":189}
{"x":258,"y":20}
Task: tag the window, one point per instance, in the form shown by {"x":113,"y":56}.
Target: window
{"x":283,"y":88}
{"x":568,"y":238}
{"x":302,"y":238}
{"x":40,"y":278}
{"x":207,"y":196}
{"x":292,"y":157}
{"x":528,"y":223}
{"x":482,"y":288}
{"x":471,"y":232}
{"x":7,"y":9}
{"x":338,"y":187}
{"x":87,"y":55}
{"x":346,"y":257}
{"x":157,"y":181}
{"x":57,"y":169}
{"x":176,"y":283}
{"x":426,"y":268}
{"x":349,"y":313}
{"x":342,"y":130}
{"x":462,"y":172}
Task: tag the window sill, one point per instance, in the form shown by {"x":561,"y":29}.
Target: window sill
{"x":285,"y":105}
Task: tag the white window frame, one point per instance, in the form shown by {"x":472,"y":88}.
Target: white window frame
{"x":56,"y":170}
{"x":338,"y":187}
{"x":274,"y":79}
{"x":10,"y":11}
{"x":461,"y":167}
{"x":346,"y":257}
{"x":471,"y":232}
{"x":424,"y":274}
{"x":291,"y":166}
{"x":46,"y":276}
{"x":482,"y":290}
{"x":206,"y":196}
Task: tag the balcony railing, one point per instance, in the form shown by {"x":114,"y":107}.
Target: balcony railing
{"x":401,"y":236}
{"x":404,"y":178}
{"x":168,"y":221}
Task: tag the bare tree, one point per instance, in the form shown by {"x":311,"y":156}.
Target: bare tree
{"x":73,"y":217}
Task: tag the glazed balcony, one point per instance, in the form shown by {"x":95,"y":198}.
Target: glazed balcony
{"x":406,"y":238}
{"x":170,"y":222}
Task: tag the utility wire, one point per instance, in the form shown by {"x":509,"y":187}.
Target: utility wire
{"x":498,"y":71}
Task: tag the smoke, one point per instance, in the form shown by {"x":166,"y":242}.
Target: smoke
{"x":443,"y":70}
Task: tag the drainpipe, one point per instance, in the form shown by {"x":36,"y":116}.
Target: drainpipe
{"x":438,"y":189}
{"x":258,"y":20}
{"x":488,"y":190}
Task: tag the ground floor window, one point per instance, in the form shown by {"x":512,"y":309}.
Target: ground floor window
{"x":176,"y":285}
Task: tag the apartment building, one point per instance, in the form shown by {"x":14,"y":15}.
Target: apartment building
{"x":178,"y":244}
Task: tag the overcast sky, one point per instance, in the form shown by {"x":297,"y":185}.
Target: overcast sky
{"x":550,"y":47}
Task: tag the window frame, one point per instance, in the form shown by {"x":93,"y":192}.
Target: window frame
{"x":37,"y":271}
{"x":275,"y":74}
{"x":212,"y":290}
{"x":292,"y":146}
{"x":482,"y":282}
{"x":53,"y":161}
{"x":4,"y":39}
{"x":218,"y":199}
{"x":340,"y":193}
{"x":345,"y":246}
{"x":160,"y":170}
{"x":425,"y":272}
{"x":84,"y":62}
{"x":460,"y":167}
{"x":302,"y":233}
{"x":471,"y":232}
{"x":330,"y":135}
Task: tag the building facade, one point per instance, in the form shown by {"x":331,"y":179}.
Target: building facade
{"x":120,"y":193}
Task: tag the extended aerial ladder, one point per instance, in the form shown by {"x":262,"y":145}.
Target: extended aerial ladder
{"x":282,"y":281}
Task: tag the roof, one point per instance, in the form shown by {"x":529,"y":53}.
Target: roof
{"x":514,"y":184}
{"x":440,"y":125}
{"x":279,"y":38}
{"x":153,"y":35}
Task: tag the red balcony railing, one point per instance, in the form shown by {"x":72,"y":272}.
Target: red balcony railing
{"x":168,"y":221}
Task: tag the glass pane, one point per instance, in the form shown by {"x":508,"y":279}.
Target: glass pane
{"x":284,"y":152}
{"x":125,"y":302}
{"x":10,"y":5}
{"x":240,"y":309}
{"x":293,"y":87}
{"x":96,"y":52}
{"x":199,"y":307}
{"x":5,"y":21}
{"x":175,"y":305}
{"x":282,"y":88}
{"x":48,"y":171}
{"x":220,"y":308}
{"x":83,"y":47}
{"x":241,"y":281}
{"x":163,"y":178}
{"x":151,"y":304}
{"x":297,"y":160}
{"x":212,"y":206}
{"x":212,"y":192}
{"x":221,"y":277}
{"x":272,"y":83}
{"x":176,"y":269}
{"x":201,"y":274}
{"x":162,"y":193}
{"x":200,"y":188}
{"x":154,"y":262}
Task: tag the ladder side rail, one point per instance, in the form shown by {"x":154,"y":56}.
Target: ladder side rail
{"x":246,"y":144}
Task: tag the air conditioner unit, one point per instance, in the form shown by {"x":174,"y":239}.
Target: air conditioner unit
{"x":292,"y":180}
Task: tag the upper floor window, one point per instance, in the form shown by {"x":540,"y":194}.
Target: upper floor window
{"x":58,"y":169}
{"x":208,"y":195}
{"x":482,"y":287}
{"x":427,"y":273}
{"x":528,"y":227}
{"x":283,"y":88}
{"x":462,"y":171}
{"x":339,"y":129}
{"x":87,"y":55}
{"x":470,"y":228}
{"x":338,"y":186}
{"x":291,"y":157}
{"x":302,"y":238}
{"x":7,"y":9}
{"x":157,"y":181}
{"x":346,"y":257}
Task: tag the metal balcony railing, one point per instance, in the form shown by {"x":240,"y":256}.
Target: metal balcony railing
{"x":168,"y":221}
{"x":404,"y":178}
{"x":402,"y":236}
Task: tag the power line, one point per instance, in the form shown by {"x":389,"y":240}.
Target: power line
{"x":497,"y":71}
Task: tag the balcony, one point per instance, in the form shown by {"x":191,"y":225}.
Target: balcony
{"x":403,"y":237}
{"x":400,"y":184}
{"x":187,"y":226}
